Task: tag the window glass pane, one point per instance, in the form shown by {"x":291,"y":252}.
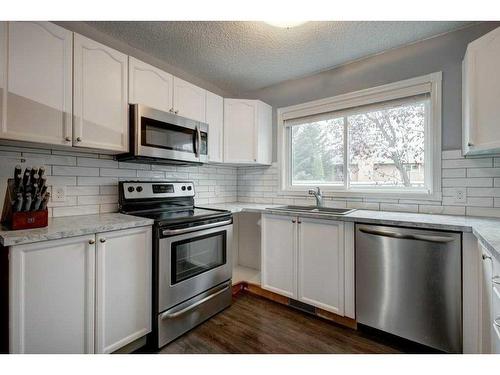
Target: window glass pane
{"x":317,"y":151}
{"x":386,"y":146}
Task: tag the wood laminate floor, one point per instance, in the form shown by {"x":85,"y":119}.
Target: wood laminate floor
{"x":253,"y":325}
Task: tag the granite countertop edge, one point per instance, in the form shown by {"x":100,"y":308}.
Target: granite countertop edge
{"x":72,"y":226}
{"x":486,"y":230}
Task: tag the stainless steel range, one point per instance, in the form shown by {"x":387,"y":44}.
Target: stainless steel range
{"x":191,"y":256}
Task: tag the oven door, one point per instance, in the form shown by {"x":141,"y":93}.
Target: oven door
{"x":192,"y":263}
{"x":164,"y":135}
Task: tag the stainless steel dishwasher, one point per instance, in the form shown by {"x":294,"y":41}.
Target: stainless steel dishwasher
{"x":409,"y":283}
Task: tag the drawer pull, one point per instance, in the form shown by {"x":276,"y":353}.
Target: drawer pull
{"x":486,"y":257}
{"x":497,"y":322}
{"x":496,"y":280}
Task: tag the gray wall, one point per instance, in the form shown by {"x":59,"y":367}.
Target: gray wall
{"x":443,"y":53}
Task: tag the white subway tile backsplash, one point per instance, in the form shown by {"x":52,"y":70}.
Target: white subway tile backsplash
{"x":100,"y":163}
{"x":483,"y":172}
{"x":452,"y":154}
{"x":467,"y":182}
{"x":75,"y":210}
{"x":467,"y":163}
{"x":58,"y":170}
{"x":117,"y":172}
{"x":454,"y":172}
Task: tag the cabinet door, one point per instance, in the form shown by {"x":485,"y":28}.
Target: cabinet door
{"x":149,"y":86}
{"x":486,"y":301}
{"x":240,"y":118}
{"x":481,"y":95}
{"x":279,"y":255}
{"x":52,"y":296}
{"x":123,"y":287}
{"x":264,"y":134}
{"x":100,"y":96}
{"x":215,"y":121}
{"x":189,"y":100}
{"x":3,"y":74}
{"x":321,"y":264}
{"x":38,"y":101}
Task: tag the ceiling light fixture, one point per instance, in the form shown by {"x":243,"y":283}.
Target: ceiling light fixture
{"x":285,"y":24}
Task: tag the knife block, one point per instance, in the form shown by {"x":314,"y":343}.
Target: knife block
{"x":21,"y":220}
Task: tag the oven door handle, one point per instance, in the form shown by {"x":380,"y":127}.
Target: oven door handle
{"x":176,"y":314}
{"x":170,"y":232}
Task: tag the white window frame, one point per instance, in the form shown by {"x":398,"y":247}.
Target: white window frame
{"x":430,"y":84}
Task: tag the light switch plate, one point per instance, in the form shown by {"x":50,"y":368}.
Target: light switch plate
{"x":58,"y":193}
{"x":460,"y":195}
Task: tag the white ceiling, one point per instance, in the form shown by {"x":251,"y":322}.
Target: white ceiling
{"x":245,"y":56}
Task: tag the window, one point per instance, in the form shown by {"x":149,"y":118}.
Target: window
{"x":381,"y":140}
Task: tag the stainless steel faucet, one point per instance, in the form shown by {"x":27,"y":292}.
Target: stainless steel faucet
{"x":317,"y":194}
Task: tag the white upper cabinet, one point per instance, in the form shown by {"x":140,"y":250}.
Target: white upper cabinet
{"x":150,"y":86}
{"x":36,"y":82}
{"x":481,"y":95}
{"x":52,"y":296}
{"x":321,"y":264}
{"x":123,"y":287}
{"x":100,"y":96}
{"x":215,"y":121}
{"x":247,"y":132}
{"x":189,"y":100}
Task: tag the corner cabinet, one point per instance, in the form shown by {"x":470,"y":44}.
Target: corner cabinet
{"x":247,"y":132}
{"x":100,"y":102}
{"x":303,"y":259}
{"x":36,"y":61}
{"x":86,"y":294}
{"x":481,"y":95}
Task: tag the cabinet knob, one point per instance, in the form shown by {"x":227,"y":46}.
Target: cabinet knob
{"x":79,"y":139}
{"x":470,"y":144}
{"x":91,"y":242}
{"x":67,"y":139}
{"x":171,"y":110}
{"x":176,"y":112}
{"x":102,"y":240}
{"x":486,"y":257}
{"x":299,"y":222}
{"x":294,"y":221}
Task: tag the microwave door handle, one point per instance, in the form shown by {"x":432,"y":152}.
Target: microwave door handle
{"x":197,"y":143}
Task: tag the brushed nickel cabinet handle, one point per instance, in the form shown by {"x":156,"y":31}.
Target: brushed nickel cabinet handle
{"x":91,"y":242}
{"x":102,"y":240}
{"x":67,"y":139}
{"x":79,"y":139}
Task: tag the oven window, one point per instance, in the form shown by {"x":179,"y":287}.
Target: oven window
{"x":162,"y":135}
{"x":194,"y":256}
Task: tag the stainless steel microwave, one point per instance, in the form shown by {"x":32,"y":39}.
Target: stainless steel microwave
{"x":166,"y":138}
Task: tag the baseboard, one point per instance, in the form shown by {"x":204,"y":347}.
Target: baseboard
{"x":245,"y":287}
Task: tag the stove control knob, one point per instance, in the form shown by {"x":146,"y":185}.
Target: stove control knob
{"x":190,"y":188}
{"x":183,"y":188}
{"x":130,"y":189}
{"x":139,"y":189}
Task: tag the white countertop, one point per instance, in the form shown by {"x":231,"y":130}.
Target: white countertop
{"x":487,"y":230}
{"x":72,"y":226}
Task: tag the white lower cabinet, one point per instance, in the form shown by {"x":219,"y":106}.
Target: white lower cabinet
{"x":279,"y":255}
{"x":80,"y":295}
{"x":123,"y":288}
{"x":51,"y":296}
{"x":490,"y":302}
{"x":303,"y":259}
{"x":321,"y":264}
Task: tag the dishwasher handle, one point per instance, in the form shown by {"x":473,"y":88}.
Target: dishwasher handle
{"x":405,"y":236}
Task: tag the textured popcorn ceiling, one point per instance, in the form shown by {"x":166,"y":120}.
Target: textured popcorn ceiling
{"x":245,"y":56}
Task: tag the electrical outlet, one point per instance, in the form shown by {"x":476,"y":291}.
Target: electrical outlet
{"x":58,"y":194}
{"x":460,"y":195}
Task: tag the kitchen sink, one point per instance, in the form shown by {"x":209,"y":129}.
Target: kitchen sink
{"x":315,"y":210}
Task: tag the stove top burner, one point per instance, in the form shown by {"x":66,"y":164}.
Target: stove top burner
{"x":166,"y":202}
{"x":181,"y":216}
